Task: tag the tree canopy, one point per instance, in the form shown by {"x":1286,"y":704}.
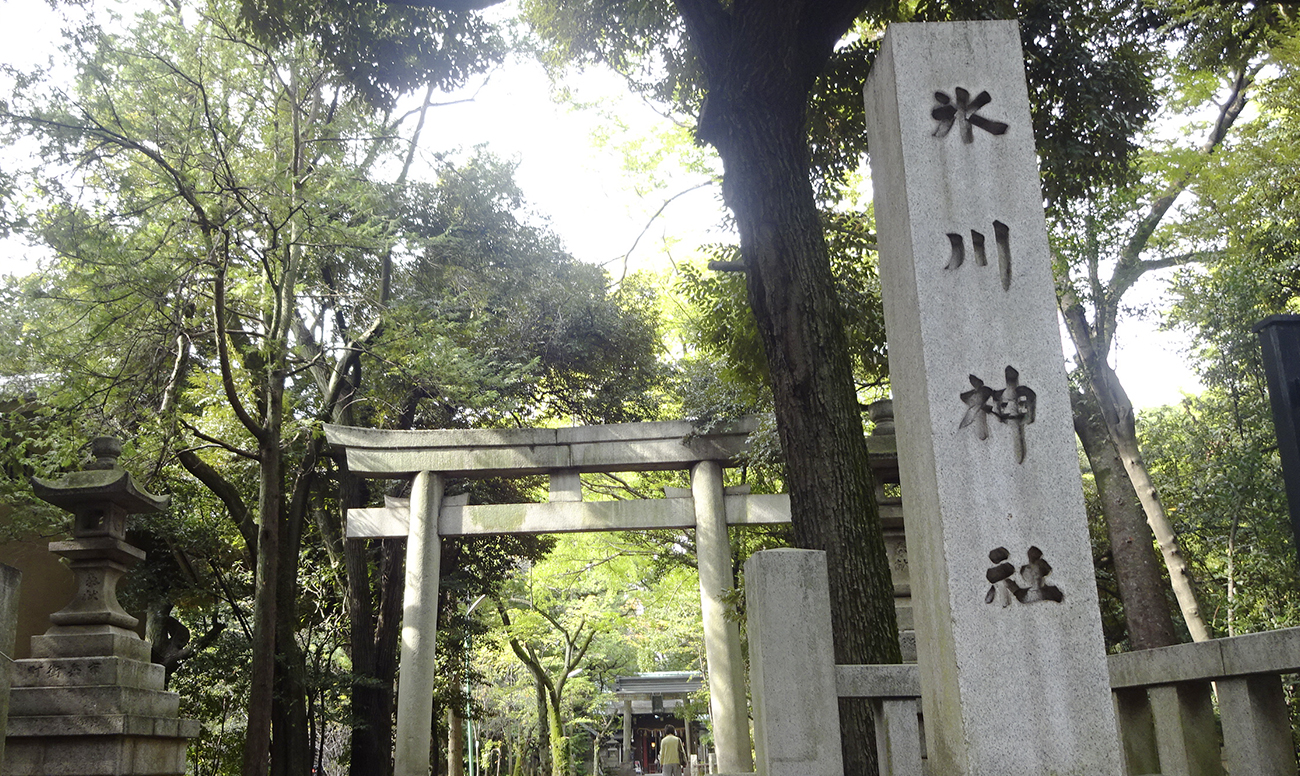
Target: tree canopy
{"x":250,"y":235}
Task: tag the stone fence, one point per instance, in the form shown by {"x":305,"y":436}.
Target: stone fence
{"x":1163,"y":697}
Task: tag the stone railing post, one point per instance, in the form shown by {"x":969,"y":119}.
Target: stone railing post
{"x":1185,"y":736}
{"x":1256,"y":725}
{"x":1137,"y":730}
{"x":894,"y":692}
{"x":1167,"y":717}
{"x":792,"y":664}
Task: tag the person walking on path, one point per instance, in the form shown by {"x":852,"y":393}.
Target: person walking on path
{"x":672,"y":753}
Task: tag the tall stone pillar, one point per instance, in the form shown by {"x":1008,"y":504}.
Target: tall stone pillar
{"x":419,"y":629}
{"x":687,"y":737}
{"x":721,"y":636}
{"x":10,"y":582}
{"x":89,"y":702}
{"x":627,"y":731}
{"x":1013,"y":671}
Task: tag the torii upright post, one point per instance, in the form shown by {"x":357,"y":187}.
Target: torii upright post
{"x":1013,"y":667}
{"x":563,"y":454}
{"x":727,"y":700}
{"x":419,"y":629}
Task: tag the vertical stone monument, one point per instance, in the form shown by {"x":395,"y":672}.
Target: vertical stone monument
{"x":10,"y":581}
{"x":1012,"y":660}
{"x":89,"y":702}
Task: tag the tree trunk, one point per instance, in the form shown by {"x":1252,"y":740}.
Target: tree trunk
{"x":1092,"y":344}
{"x":1232,"y":573}
{"x":257,"y":749}
{"x":1124,"y":433}
{"x":290,"y":742}
{"x":520,"y":753}
{"x":1117,"y":412}
{"x":760,"y":61}
{"x":543,"y":729}
{"x":559,"y":743}
{"x":374,"y":654}
{"x":455,"y":744}
{"x":1141,"y":585}
{"x":832,"y":493}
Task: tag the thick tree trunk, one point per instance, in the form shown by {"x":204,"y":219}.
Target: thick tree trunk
{"x":373,"y":635}
{"x":761,"y":60}
{"x":290,"y":740}
{"x":1141,"y":585}
{"x":818,"y":417}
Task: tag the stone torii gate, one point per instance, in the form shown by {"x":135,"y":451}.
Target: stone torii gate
{"x":430,"y":457}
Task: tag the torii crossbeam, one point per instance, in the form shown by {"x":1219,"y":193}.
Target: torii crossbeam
{"x":429,"y":457}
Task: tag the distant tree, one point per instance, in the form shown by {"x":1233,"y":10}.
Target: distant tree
{"x":1215,"y":456}
{"x":586,"y":614}
{"x":234,"y":252}
{"x":1110,"y":236}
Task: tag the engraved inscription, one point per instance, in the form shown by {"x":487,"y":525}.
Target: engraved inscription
{"x":1001,"y":238}
{"x":1032,"y":587}
{"x":963,"y":112}
{"x":958,"y":255}
{"x":1013,"y":404}
{"x":1003,"y":589}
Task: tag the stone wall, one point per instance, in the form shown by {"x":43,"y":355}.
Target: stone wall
{"x":47,"y":587}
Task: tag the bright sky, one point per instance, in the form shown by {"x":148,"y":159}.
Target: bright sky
{"x":584,"y":189}
{"x":580,"y":183}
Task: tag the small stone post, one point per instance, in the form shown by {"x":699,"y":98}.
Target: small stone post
{"x":10,"y":583}
{"x":792,"y":664}
{"x":721,"y":636}
{"x":1012,"y":660}
{"x":89,"y":702}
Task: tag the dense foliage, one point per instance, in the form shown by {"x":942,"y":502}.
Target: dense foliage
{"x":247,"y":240}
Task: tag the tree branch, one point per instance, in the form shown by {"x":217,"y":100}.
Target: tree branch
{"x":1119,"y":284}
{"x":239,"y":451}
{"x":651,"y":221}
{"x":224,"y":490}
{"x":1229,"y":111}
{"x":223,"y":358}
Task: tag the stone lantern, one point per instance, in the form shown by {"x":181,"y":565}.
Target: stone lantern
{"x":89,"y":702}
